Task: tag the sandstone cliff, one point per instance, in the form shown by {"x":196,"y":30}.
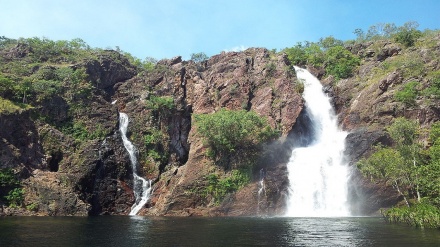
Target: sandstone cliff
{"x":67,"y":153}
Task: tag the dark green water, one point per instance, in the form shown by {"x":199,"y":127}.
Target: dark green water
{"x":147,"y":231}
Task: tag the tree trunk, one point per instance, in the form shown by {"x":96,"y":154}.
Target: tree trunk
{"x":400,"y":193}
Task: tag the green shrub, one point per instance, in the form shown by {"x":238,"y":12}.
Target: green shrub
{"x":434,"y":88}
{"x":7,"y":178}
{"x":422,"y":215}
{"x":408,"y":94}
{"x":407,"y":37}
{"x":32,"y":207}
{"x":296,"y":54}
{"x":199,"y":57}
{"x":15,"y":197}
{"x":163,"y":104}
{"x":270,"y":69}
{"x":218,"y":187}
{"x":228,"y":132}
{"x":340,"y":62}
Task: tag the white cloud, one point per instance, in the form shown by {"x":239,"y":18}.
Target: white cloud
{"x":236,"y":48}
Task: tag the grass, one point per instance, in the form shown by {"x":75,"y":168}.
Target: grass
{"x":7,"y":106}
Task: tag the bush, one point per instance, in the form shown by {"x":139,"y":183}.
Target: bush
{"x":199,"y":57}
{"x":340,"y":62}
{"x":408,"y":94}
{"x":407,"y":37}
{"x":219,"y":188}
{"x":422,"y":215}
{"x":10,"y":188}
{"x":227,"y":132}
{"x":15,"y":197}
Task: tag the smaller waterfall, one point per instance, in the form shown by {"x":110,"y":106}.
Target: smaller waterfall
{"x":261,"y":189}
{"x":141,"y":187}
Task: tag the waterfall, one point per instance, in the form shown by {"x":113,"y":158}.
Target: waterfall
{"x":317,"y":173}
{"x":141,"y":187}
{"x":261,"y":189}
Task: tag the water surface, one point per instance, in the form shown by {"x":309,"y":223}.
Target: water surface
{"x":237,"y":231}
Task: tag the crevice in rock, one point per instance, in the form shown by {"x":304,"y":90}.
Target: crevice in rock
{"x":55,"y":160}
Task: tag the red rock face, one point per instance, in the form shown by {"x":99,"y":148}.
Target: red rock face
{"x":252,"y":80}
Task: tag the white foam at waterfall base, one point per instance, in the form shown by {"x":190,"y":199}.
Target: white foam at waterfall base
{"x":317,"y":174}
{"x":141,"y":187}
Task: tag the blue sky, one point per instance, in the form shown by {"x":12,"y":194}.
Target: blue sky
{"x":167,"y":28}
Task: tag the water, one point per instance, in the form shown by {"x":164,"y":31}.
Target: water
{"x":141,"y":187}
{"x":147,"y":231}
{"x":317,"y":174}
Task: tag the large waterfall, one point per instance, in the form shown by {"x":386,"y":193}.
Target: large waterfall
{"x":141,"y":187}
{"x":317,"y":174}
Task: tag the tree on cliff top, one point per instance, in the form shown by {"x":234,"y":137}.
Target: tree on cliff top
{"x":228,"y":132}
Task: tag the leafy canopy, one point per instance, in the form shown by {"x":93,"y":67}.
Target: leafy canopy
{"x":227,"y":132}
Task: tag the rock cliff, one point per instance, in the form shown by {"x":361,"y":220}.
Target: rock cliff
{"x":67,"y":153}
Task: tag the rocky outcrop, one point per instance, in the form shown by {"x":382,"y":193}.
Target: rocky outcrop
{"x":70,"y":158}
{"x":253,"y":80}
{"x":366,"y":104}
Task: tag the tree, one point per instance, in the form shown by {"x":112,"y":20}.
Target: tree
{"x":387,"y":164}
{"x":296,"y":54}
{"x":405,"y":133}
{"x":408,"y":94}
{"x":340,"y":62}
{"x":329,"y":42}
{"x":408,"y":34}
{"x":228,"y":132}
{"x":199,"y":57}
{"x":360,"y":35}
{"x":397,"y":165}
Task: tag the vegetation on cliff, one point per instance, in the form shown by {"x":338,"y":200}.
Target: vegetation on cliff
{"x":235,"y":141}
{"x":387,"y":75}
{"x":412,"y":170}
{"x":228,"y":133}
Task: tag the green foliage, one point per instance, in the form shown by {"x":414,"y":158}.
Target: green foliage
{"x":32,"y":207}
{"x":6,"y":86}
{"x":340,"y":62}
{"x":218,"y":187}
{"x":404,"y":132}
{"x":161,"y":104}
{"x":296,"y":54}
{"x":153,"y":140}
{"x":11,"y":107}
{"x":408,"y":94}
{"x":422,"y":215}
{"x":433,"y":90}
{"x":228,"y":132}
{"x":199,"y":57}
{"x":7,"y":178}
{"x":79,"y":131}
{"x":410,"y":65}
{"x":328,"y":53}
{"x":10,"y":188}
{"x":45,"y":89}
{"x":384,"y":164}
{"x":149,"y":63}
{"x":329,"y":42}
{"x":407,"y":36}
{"x":434,"y":134}
{"x":15,"y":197}
{"x":270,"y":69}
{"x":399,"y":166}
{"x":411,"y":174}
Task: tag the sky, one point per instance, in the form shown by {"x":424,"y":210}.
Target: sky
{"x":169,"y":28}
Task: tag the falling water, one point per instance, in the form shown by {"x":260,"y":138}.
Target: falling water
{"x":261,"y":189}
{"x":317,"y":174}
{"x":141,"y":187}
